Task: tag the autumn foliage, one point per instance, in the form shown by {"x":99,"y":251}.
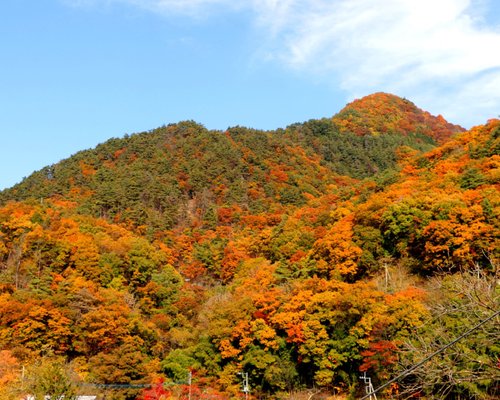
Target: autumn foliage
{"x":183,"y":250}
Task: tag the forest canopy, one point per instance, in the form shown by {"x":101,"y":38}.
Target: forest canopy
{"x":175,"y":261}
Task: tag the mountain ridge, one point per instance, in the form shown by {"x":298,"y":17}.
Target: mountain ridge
{"x":219,"y":166}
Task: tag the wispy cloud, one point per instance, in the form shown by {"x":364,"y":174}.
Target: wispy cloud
{"x":402,"y":44}
{"x":191,"y":8}
{"x":188,"y":7}
{"x":427,"y":49}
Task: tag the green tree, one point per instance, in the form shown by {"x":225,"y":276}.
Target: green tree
{"x":50,"y":379}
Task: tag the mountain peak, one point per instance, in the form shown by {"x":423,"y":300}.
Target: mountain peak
{"x":381,"y":112}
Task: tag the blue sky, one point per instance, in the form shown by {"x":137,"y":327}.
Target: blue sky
{"x":77,"y":72}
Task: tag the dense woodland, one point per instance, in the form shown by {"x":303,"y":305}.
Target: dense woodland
{"x":303,"y":257}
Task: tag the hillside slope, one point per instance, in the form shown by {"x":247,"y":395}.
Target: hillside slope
{"x":183,"y":249}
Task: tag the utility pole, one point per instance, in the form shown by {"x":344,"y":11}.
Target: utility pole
{"x":190,"y":379}
{"x":414,"y":367}
{"x":370,"y":391}
{"x":246,"y":385}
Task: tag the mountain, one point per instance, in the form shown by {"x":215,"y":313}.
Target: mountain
{"x":386,"y":113}
{"x":303,"y":256}
{"x":164,"y":177}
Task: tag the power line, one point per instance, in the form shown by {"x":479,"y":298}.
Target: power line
{"x":129,"y":385}
{"x":430,"y":356}
{"x":116,"y":385}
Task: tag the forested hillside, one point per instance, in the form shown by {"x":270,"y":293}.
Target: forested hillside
{"x":302,"y":257}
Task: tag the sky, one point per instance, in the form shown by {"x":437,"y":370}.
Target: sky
{"x":74,"y":73}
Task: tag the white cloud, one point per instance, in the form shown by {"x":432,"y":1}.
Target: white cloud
{"x":424,"y":48}
{"x":375,"y":39}
{"x":427,"y":49}
{"x":473,"y":102}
